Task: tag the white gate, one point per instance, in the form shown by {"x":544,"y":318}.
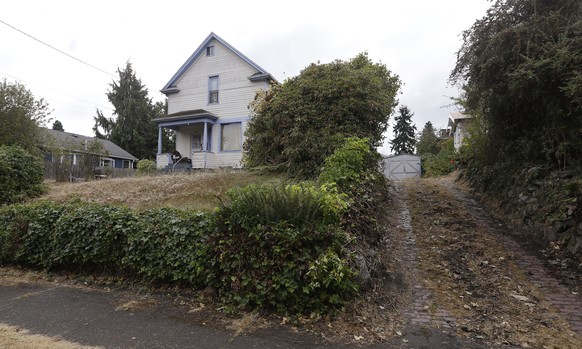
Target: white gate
{"x":402,"y":166}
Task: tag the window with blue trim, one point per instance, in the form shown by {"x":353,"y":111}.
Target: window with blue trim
{"x":231,"y":136}
{"x":213,"y":90}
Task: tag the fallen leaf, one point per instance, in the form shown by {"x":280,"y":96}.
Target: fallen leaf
{"x":521,"y":298}
{"x":358,"y":338}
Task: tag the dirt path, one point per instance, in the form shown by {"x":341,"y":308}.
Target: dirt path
{"x":470,"y":280}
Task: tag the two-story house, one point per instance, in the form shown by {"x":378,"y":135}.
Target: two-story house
{"x":208,"y":99}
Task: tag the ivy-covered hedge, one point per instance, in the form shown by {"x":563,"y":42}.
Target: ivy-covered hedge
{"x":290,"y":248}
{"x":272,"y":247}
{"x":282,"y":248}
{"x":158,"y":245}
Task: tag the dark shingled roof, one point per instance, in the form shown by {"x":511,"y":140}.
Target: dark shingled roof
{"x":75,"y":142}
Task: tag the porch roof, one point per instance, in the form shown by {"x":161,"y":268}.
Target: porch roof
{"x":186,"y":117}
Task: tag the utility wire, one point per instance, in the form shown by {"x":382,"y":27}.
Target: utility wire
{"x":56,"y":49}
{"x":57,"y":91}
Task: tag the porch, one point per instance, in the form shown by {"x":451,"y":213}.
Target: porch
{"x":194,"y":130}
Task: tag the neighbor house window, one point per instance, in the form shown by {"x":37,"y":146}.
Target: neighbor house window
{"x":213,"y":90}
{"x":106,"y":162}
{"x":231,"y":136}
{"x":209,"y":51}
{"x":126,"y":164}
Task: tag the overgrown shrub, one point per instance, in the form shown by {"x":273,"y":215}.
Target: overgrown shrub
{"x":354,"y":168}
{"x":21,"y":175}
{"x":146,"y":168}
{"x":26,"y":233}
{"x":159,"y":244}
{"x":349,"y":163}
{"x":91,"y":236}
{"x":442,"y":163}
{"x":169,"y":245}
{"x":272,"y":243}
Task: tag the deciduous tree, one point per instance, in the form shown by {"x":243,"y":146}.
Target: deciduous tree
{"x":521,"y":67}
{"x":58,"y":126}
{"x":21,"y":115}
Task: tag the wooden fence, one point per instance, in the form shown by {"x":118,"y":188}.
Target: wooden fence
{"x":63,"y":172}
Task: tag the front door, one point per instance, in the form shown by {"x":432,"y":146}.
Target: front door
{"x":196,"y":143}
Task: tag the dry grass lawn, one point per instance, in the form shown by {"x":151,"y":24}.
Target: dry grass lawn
{"x":198,"y":190}
{"x":17,"y":338}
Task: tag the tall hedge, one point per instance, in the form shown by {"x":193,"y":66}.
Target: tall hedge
{"x":21,"y":175}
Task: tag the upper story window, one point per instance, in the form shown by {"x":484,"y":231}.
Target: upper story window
{"x":213,"y":90}
{"x":209,"y":51}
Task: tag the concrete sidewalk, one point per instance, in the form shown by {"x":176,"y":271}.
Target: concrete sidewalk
{"x":96,"y":317}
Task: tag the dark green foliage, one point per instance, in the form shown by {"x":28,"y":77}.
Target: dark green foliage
{"x":21,"y":175}
{"x":21,"y":115}
{"x":428,"y":141}
{"x":26,"y":233}
{"x":282,"y":248}
{"x":90,"y":236}
{"x":521,"y":66}
{"x":57,"y":125}
{"x":404,"y":130}
{"x":133,"y":128}
{"x":443,"y":163}
{"x":295,"y":125}
{"x":169,"y":245}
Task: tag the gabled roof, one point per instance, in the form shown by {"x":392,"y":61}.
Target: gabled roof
{"x":456,"y":116}
{"x":261,"y":74}
{"x":74,"y":142}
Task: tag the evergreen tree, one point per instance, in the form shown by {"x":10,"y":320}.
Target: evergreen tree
{"x":58,"y":126}
{"x":404,"y":131}
{"x":428,"y":141}
{"x":133,"y":128}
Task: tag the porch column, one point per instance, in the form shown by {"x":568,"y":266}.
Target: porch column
{"x":205,"y":137}
{"x":205,"y":142}
{"x":159,"y":139}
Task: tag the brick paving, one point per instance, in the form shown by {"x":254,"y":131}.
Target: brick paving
{"x":568,"y":303}
{"x":422,"y":309}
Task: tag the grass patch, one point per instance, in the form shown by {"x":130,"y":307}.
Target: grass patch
{"x":198,"y":190}
{"x":17,"y":338}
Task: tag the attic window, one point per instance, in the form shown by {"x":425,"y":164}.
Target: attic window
{"x":209,"y":51}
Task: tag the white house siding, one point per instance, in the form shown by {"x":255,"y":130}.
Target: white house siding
{"x":461,"y":132}
{"x":235,"y":89}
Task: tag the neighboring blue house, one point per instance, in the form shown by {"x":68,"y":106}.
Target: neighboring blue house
{"x":208,"y":99}
{"x":76,"y":145}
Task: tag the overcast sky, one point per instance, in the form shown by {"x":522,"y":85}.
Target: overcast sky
{"x":416,"y":39}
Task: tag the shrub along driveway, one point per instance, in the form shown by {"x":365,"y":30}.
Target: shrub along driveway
{"x":466,"y":281}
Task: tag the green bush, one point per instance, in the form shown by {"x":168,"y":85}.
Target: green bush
{"x":21,"y":175}
{"x":146,"y":168}
{"x":159,"y":244}
{"x":354,"y":168}
{"x":91,"y":236}
{"x":169,"y":245}
{"x":268,"y":240}
{"x":442,"y":163}
{"x":350,"y":163}
{"x":26,"y":232}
